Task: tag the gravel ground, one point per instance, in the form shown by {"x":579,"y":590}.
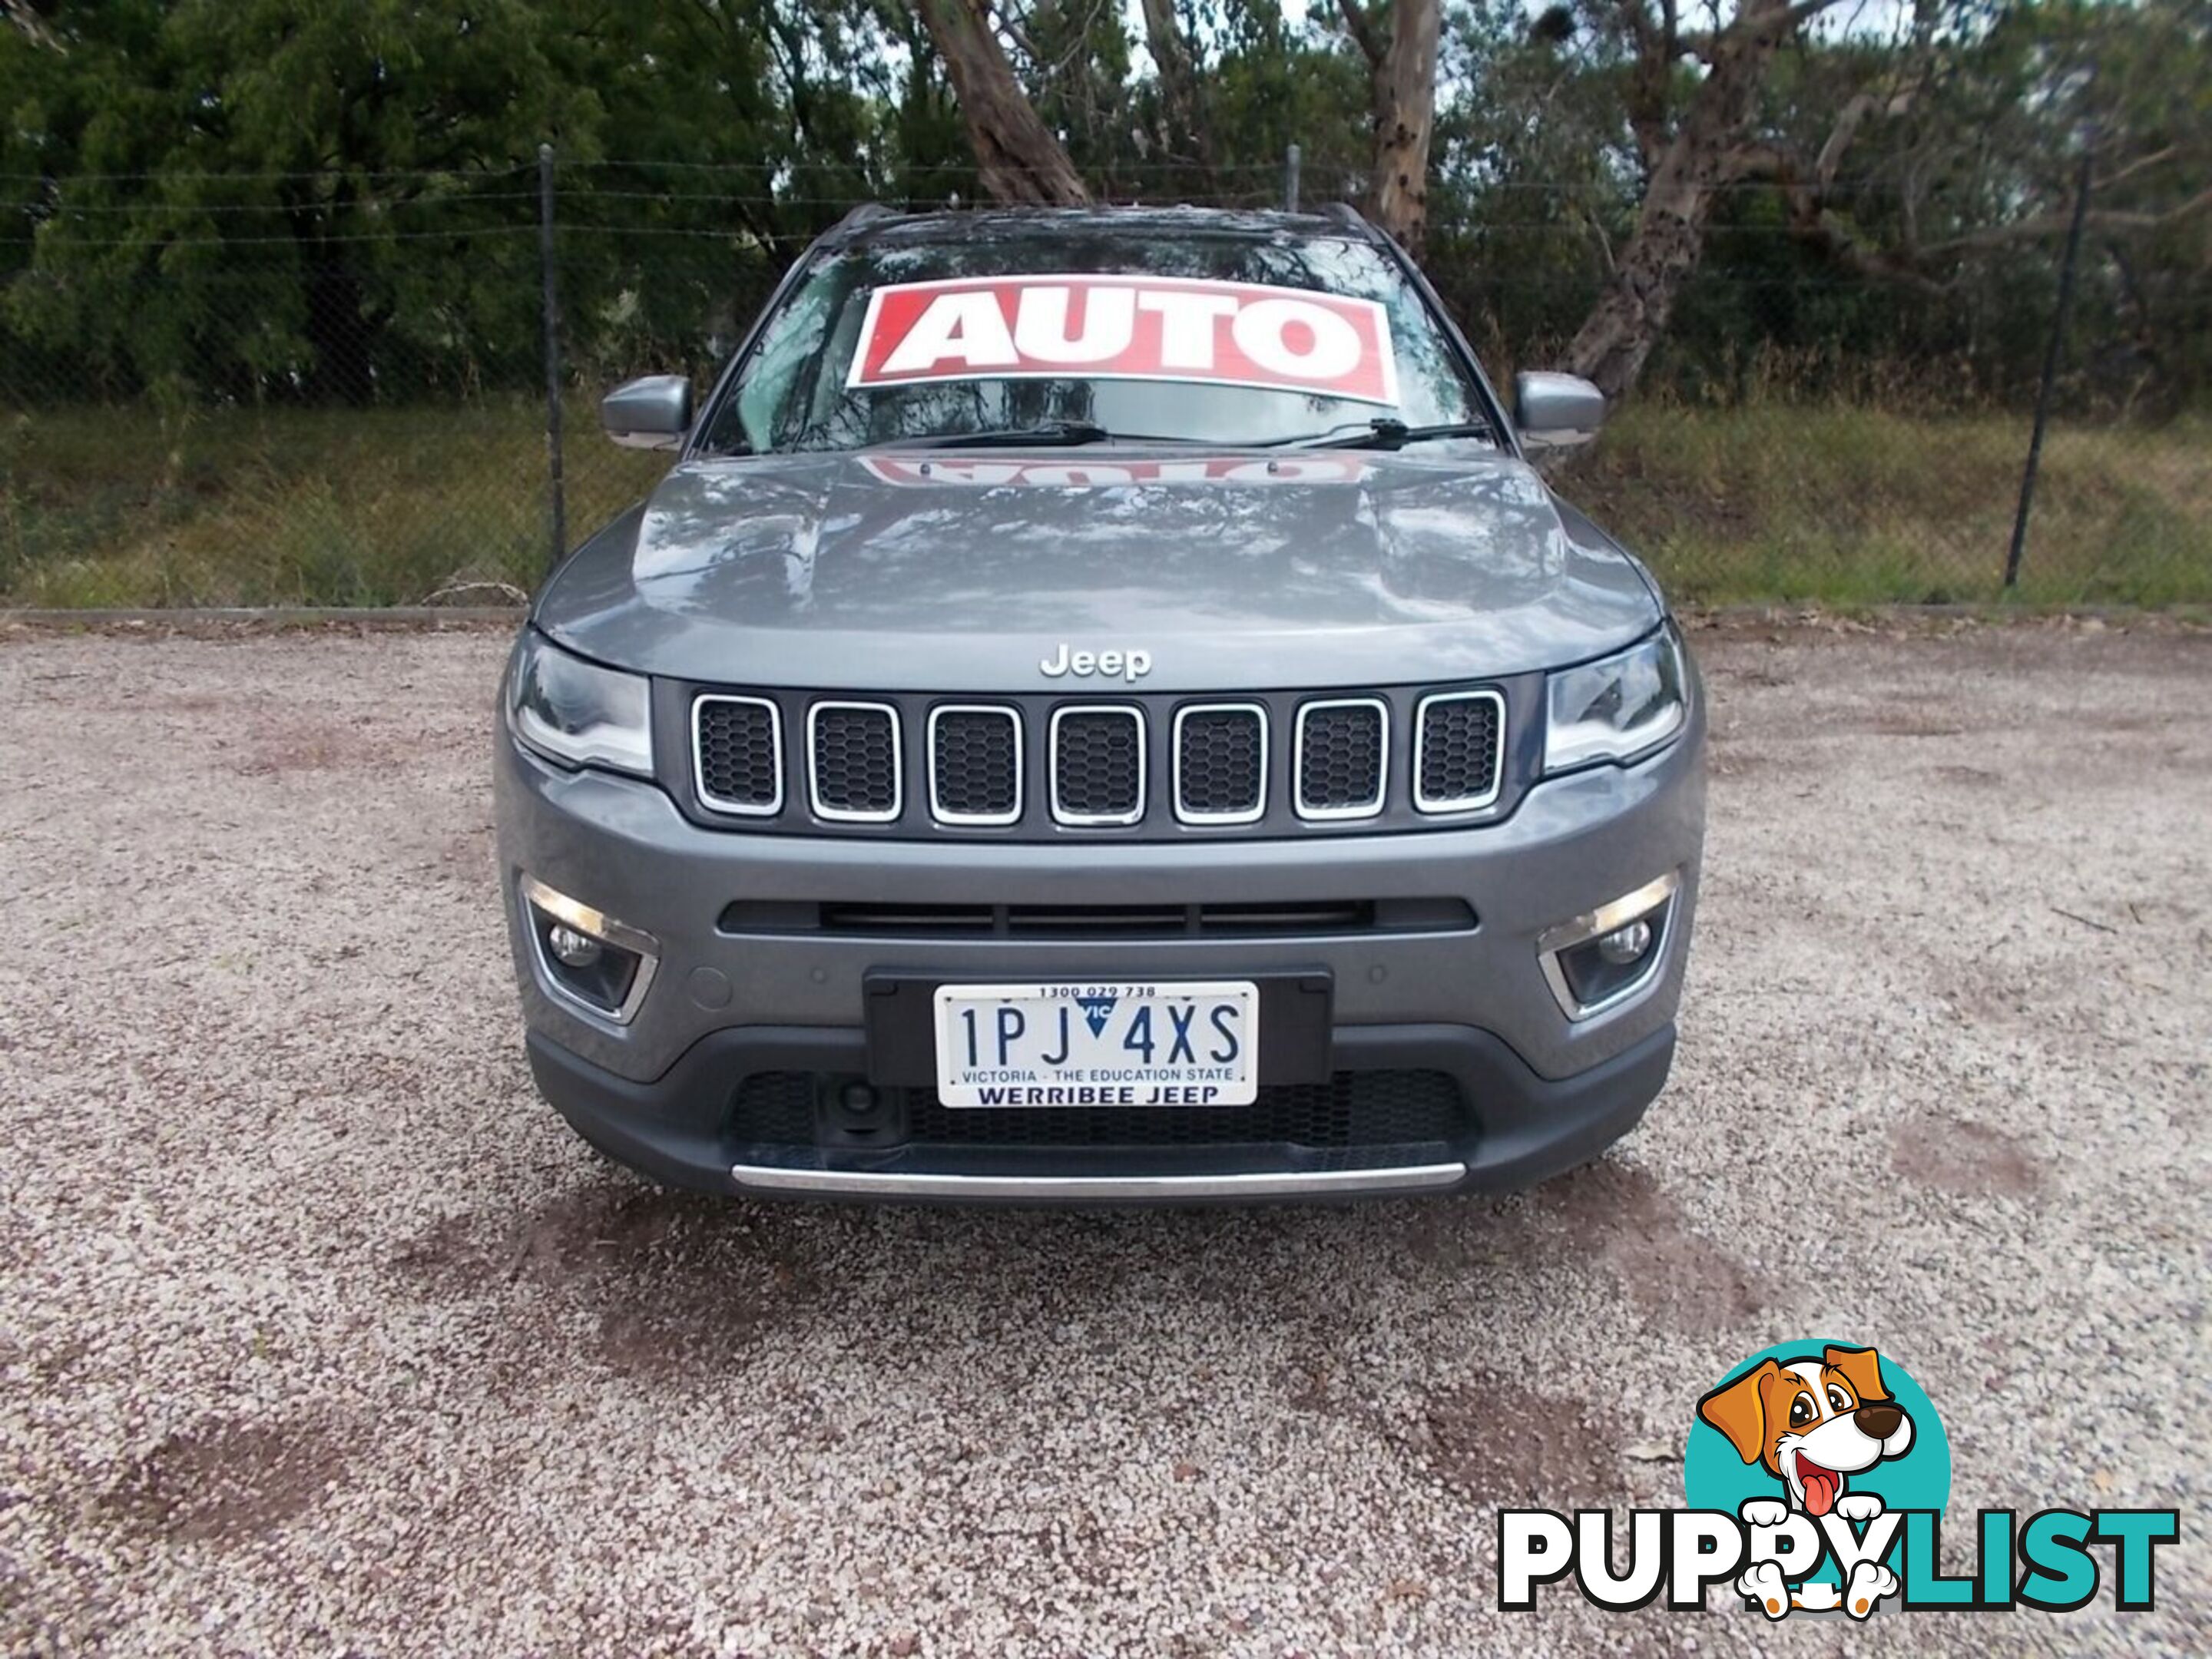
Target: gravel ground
{"x":318,"y":1334}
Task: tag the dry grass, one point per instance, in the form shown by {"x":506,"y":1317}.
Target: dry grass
{"x":1774,"y":500}
{"x":291,"y":507}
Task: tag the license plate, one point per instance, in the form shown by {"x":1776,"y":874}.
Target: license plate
{"x":1098,"y":1044}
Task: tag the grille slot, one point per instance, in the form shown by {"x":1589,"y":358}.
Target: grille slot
{"x":929,"y":921}
{"x":737,"y":754}
{"x":975,"y":764}
{"x":1097,"y":764}
{"x":1238,"y":920}
{"x":1221,"y":763}
{"x":852,"y":761}
{"x":1458,"y":751}
{"x":1343,"y":758}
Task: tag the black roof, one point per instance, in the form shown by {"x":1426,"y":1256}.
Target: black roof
{"x":877,"y":223}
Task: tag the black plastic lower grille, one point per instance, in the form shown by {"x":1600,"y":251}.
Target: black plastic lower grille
{"x":893,"y":919}
{"x":775,"y":1107}
{"x":1353,"y":1109}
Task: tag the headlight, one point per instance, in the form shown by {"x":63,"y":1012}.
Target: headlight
{"x":576,"y":712}
{"x":1617,"y":709}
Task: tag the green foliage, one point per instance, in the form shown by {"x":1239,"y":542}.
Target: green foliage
{"x":1960,"y":182}
{"x":250,"y":203}
{"x":250,"y":198}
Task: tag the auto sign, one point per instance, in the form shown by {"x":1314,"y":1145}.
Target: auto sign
{"x":1149,"y":328}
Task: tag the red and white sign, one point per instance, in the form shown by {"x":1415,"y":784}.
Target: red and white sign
{"x":994,"y":473}
{"x":1126,"y":328}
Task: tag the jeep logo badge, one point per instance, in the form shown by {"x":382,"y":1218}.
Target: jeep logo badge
{"x":1129,"y":665}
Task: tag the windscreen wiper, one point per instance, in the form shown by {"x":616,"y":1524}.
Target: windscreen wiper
{"x":1045,"y":435}
{"x":1385,"y":433}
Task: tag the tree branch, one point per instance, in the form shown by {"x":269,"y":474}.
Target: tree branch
{"x":1821,"y":230}
{"x":1171,"y":62}
{"x":28,"y":21}
{"x":1781,"y":19}
{"x":2055,"y":224}
{"x":1362,"y":28}
{"x":1650,"y":78}
{"x":1018,"y":158}
{"x":2140,"y":164}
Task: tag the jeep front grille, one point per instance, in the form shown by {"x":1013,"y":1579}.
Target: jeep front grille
{"x":1144,"y":766}
{"x":736,"y":745}
{"x":1343,"y":758}
{"x":853,"y":753}
{"x":1097,"y":764}
{"x":1221,"y":763}
{"x":975,"y":764}
{"x":1457,"y":755}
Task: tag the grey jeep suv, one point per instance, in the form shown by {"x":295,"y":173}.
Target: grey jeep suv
{"x":1101,"y":708}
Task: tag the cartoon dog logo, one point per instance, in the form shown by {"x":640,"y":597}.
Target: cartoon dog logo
{"x":1813,"y":1422}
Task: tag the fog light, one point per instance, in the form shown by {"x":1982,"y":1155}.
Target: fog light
{"x":1607,"y":955}
{"x":584,"y":956}
{"x":1625,"y":944}
{"x":573,"y":950}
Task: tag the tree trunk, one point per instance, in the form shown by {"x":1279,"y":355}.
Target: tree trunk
{"x":1404,"y":121}
{"x":1631,"y":314}
{"x":1179,"y":100}
{"x":1021,"y":161}
{"x":1706,"y":154}
{"x":341,"y":330}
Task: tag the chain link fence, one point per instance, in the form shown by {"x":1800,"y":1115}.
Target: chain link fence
{"x":290,"y":390}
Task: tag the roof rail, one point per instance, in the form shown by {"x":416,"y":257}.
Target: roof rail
{"x":1349,"y":213}
{"x":866,"y":213}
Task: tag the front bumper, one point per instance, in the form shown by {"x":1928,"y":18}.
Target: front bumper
{"x":676,"y":1128}
{"x":1543,"y":1091}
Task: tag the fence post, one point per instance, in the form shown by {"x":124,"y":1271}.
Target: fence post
{"x":556,"y":506}
{"x":2049,"y":373}
{"x":1290,"y":180}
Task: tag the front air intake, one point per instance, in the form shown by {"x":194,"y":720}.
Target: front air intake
{"x":1343,"y":758}
{"x":1098,"y":765}
{"x":975,"y":764}
{"x":853,"y":761}
{"x":1221,"y":763}
{"x":737,"y":751}
{"x":1459,"y":751}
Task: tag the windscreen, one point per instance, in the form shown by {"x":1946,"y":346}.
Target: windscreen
{"x":1184,"y":337}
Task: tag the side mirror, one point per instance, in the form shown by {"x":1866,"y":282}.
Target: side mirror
{"x":651,"y":412}
{"x":1556,"y":411}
